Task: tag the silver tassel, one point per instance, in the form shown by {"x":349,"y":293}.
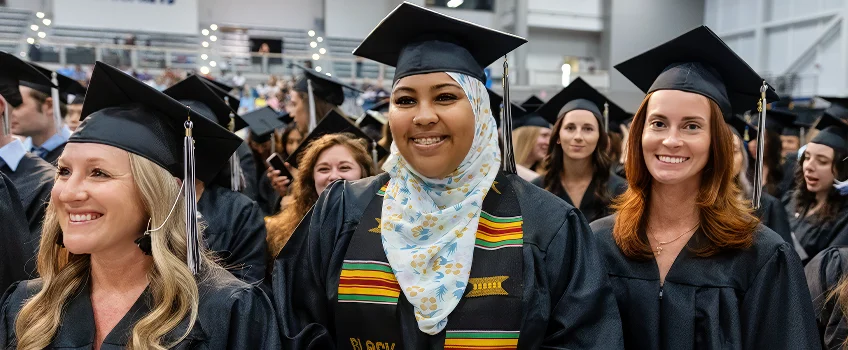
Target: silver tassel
{"x":606,"y":116}
{"x":506,"y":124}
{"x":761,"y":137}
{"x":57,"y":112}
{"x":237,"y":181}
{"x":313,"y":119}
{"x":7,"y":126}
{"x":192,"y":239}
{"x":374,"y":154}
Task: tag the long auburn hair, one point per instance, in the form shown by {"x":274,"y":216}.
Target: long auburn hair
{"x":304,"y":195}
{"x":554,"y":167}
{"x":172,"y":286}
{"x":834,"y":202}
{"x":725,"y":219}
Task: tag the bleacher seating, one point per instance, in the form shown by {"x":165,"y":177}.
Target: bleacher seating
{"x":13,"y":24}
{"x":343,"y":48}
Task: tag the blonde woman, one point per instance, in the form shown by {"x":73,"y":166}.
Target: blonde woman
{"x":119,"y":259}
{"x":531,"y":144}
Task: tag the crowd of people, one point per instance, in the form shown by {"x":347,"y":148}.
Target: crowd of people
{"x":187,"y":212}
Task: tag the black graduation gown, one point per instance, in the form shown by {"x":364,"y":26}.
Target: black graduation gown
{"x":231,"y":315}
{"x":566,"y":298}
{"x":744,"y":299}
{"x":52,"y":157}
{"x":235,"y":232}
{"x":823,"y":275}
{"x":267,"y":198}
{"x":248,"y":168}
{"x":589,"y":205}
{"x":790,"y":165}
{"x":13,"y":232}
{"x":33,"y":179}
{"x":813,"y":235}
{"x":773,"y":215}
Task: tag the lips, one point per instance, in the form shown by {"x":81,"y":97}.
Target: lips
{"x":427,"y":141}
{"x":672,"y":160}
{"x":84,"y":217}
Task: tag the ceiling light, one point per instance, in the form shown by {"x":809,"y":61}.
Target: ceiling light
{"x":204,"y":57}
{"x":42,"y":35}
{"x":30,"y":41}
{"x":33,"y":27}
{"x":39,"y":15}
{"x":213,"y":63}
{"x":320,"y":39}
{"x":313,"y":44}
{"x":213,"y":27}
{"x":204,"y":31}
{"x":23,"y":54}
{"x":204,"y":70}
{"x":46,"y":21}
{"x":315,"y":56}
{"x":322,"y":51}
{"x":213,"y":38}
{"x":318,"y":69}
{"x":205,"y":44}
{"x":311,"y":33}
{"x":328,"y":74}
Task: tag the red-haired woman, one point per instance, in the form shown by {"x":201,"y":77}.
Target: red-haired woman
{"x":689,"y":264}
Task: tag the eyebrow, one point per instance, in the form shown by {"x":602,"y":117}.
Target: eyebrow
{"x":685,"y":119}
{"x":92,"y":160}
{"x":432,"y":88}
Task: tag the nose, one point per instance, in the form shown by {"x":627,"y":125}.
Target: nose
{"x":426,"y":115}
{"x":673,"y":139}
{"x":334,"y":175}
{"x":808,"y":167}
{"x":73,"y":189}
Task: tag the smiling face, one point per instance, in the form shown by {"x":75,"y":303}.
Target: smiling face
{"x":676,"y":136}
{"x":542,"y":144}
{"x":333,"y":164}
{"x":96,"y":199}
{"x":579,"y":134}
{"x":818,"y":168}
{"x":432,"y":123}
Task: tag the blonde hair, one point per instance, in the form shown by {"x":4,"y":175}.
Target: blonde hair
{"x":172,"y":286}
{"x":524,"y":141}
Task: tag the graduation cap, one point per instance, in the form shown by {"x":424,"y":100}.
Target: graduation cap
{"x":739,"y":126}
{"x":13,"y":71}
{"x":838,"y":107}
{"x":232,"y":101}
{"x":372,"y":118}
{"x":782,"y":121}
{"x":416,"y":40}
{"x":833,"y":133}
{"x":496,"y":102}
{"x":286,"y":118}
{"x":202,"y":98}
{"x":382,"y":106}
{"x":67,"y":86}
{"x":123,"y":112}
{"x":324,"y":86}
{"x":531,"y":119}
{"x":579,"y":95}
{"x":224,"y":87}
{"x":698,"y":62}
{"x":262,"y":122}
{"x":335,"y":123}
{"x":532,"y":103}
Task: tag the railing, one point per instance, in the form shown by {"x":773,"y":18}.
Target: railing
{"x":145,"y":57}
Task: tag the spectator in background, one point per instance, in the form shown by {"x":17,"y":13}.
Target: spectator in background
{"x":239,"y":83}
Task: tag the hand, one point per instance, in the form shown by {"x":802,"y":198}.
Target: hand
{"x":278,"y":182}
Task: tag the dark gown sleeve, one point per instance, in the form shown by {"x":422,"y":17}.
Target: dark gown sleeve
{"x":248,"y":167}
{"x":249,"y":248}
{"x":267,"y":197}
{"x":839,"y":228}
{"x":13,"y":234}
{"x":773,"y":215}
{"x":776,"y":311}
{"x":300,"y":274}
{"x":585,"y":314}
{"x":823,"y":275}
{"x":252,"y":322}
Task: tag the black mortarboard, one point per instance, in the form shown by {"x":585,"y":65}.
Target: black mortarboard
{"x":333,"y":123}
{"x":382,"y":106}
{"x":224,"y":87}
{"x":262,"y":122}
{"x":531,"y":119}
{"x":580,"y":95}
{"x":495,"y":102}
{"x":833,"y":133}
{"x":739,"y":126}
{"x":324,"y":86}
{"x":698,"y":62}
{"x":194,"y":92}
{"x":371,"y":118}
{"x":286,"y":118}
{"x":123,"y":112}
{"x":13,"y":71}
{"x":782,"y":121}
{"x":807,"y":117}
{"x":233,"y":101}
{"x":532,"y":103}
{"x":67,"y":85}
{"x":838,"y":107}
{"x":416,"y":40}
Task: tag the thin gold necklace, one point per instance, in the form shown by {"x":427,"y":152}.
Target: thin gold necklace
{"x":659,"y":247}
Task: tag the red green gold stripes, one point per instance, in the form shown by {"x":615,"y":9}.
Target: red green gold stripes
{"x":382,"y":191}
{"x":365,"y":281}
{"x":481,"y":340}
{"x":496,"y":232}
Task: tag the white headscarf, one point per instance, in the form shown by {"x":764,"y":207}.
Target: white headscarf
{"x":429,"y":225}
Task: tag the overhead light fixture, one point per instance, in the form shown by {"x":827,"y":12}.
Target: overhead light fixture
{"x":205,"y":44}
{"x":311,"y":33}
{"x":320,"y":39}
{"x":454,"y":3}
{"x":47,"y":21}
{"x":42,"y":35}
{"x":23,"y":54}
{"x":34,"y":27}
{"x":204,"y":70}
{"x":213,"y":38}
{"x":318,"y":68}
{"x":204,"y":57}
{"x":313,"y":44}
{"x":213,"y":63}
{"x":39,"y":15}
{"x":205,"y":32}
{"x":213,"y":27}
{"x":566,"y":74}
{"x":328,"y":74}
{"x":315,"y":56}
{"x":30,"y":41}
{"x":322,"y":51}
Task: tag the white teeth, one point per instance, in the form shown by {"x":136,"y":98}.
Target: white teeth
{"x":87,"y":217}
{"x":427,"y":140}
{"x":83,"y":217}
{"x":673,"y":160}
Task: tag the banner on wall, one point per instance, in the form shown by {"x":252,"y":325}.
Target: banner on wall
{"x":161,"y":16}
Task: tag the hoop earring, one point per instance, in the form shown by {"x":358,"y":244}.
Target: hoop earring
{"x":144,"y":242}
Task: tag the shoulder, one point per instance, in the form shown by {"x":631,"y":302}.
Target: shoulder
{"x":223,"y":196}
{"x":220,"y":290}
{"x":354,"y":196}
{"x":17,"y":294}
{"x":826,"y":269}
{"x":37,"y":166}
{"x":543,"y":213}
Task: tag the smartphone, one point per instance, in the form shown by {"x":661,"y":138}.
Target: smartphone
{"x":276,"y":161}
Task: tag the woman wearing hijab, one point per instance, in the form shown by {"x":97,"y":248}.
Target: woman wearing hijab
{"x":690,"y":266}
{"x":444,"y":250}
